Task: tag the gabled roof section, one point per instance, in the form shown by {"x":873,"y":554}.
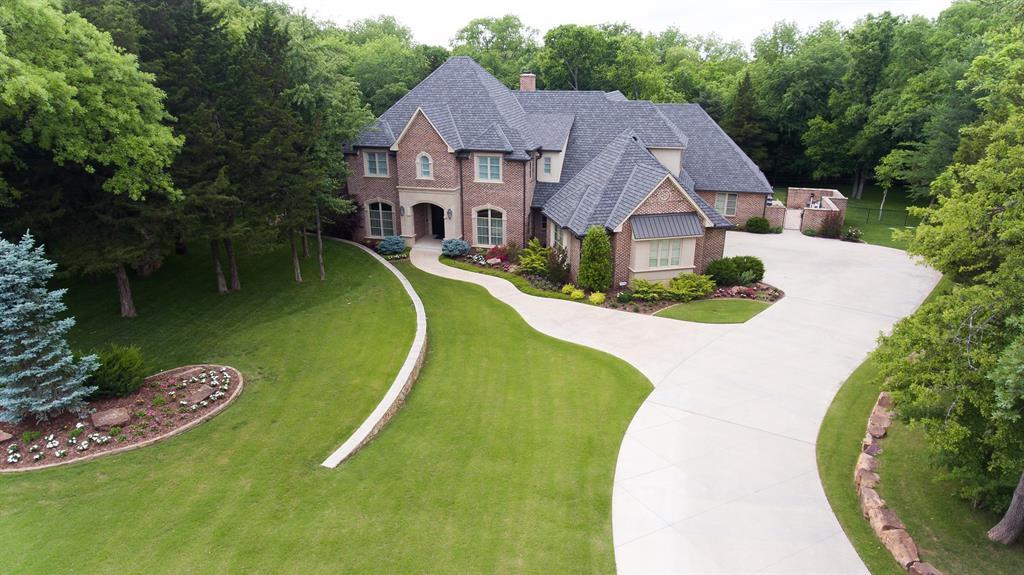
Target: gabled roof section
{"x":466,"y":105}
{"x":712,"y":159}
{"x":419,"y":112}
{"x":611,"y":186}
{"x":551,"y":131}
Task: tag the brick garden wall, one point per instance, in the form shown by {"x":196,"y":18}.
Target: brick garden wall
{"x":776,"y":215}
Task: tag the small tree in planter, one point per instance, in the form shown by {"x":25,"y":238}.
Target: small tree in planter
{"x":596,"y":260}
{"x":38,"y":373}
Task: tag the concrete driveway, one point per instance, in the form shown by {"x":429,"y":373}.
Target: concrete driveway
{"x":717,"y":470}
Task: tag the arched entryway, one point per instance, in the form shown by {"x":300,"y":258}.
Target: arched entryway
{"x":428,"y":221}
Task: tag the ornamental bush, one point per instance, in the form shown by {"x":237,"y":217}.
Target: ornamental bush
{"x":557,"y":269}
{"x":758,"y":225}
{"x":595,"y":260}
{"x":454,"y":247}
{"x":685,"y":287}
{"x":737,"y":270}
{"x":568,"y":289}
{"x":533,"y":259}
{"x":644,"y":290}
{"x":391,"y":245}
{"x":121,"y":371}
{"x":852,"y":235}
{"x":832,"y":226}
{"x":576,"y":294}
{"x":596,"y":298}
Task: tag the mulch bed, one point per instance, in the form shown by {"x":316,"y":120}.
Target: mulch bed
{"x":155,"y":410}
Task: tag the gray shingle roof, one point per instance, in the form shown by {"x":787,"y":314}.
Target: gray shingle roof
{"x":713,"y":160}
{"x":656,"y":226}
{"x":550,"y":130}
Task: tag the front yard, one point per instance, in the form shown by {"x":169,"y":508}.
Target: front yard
{"x":715,"y":310}
{"x":501,"y":461}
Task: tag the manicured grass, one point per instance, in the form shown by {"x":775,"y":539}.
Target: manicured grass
{"x":863,"y":213}
{"x":951,"y":535}
{"x":715,"y":310}
{"x":501,"y":460}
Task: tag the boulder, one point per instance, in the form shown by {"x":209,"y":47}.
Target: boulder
{"x":884,"y":520}
{"x":116,"y":417}
{"x":865,"y":461}
{"x":901,"y":545}
{"x":865,"y":478}
{"x":869,"y":499}
{"x":922,"y":568}
{"x":882,"y":416}
{"x":4,"y":436}
{"x":884,"y":400}
{"x":875,"y":428}
{"x":494,"y":262}
{"x":870,"y":445}
{"x":200,"y":394}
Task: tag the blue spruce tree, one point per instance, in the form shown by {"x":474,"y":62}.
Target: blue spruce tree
{"x":39,"y":375}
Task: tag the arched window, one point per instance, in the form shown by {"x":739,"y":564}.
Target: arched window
{"x":490,"y":228}
{"x":382,"y":222}
{"x":424,"y":167}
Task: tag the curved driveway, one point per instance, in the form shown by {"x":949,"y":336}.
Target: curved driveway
{"x":717,"y":470}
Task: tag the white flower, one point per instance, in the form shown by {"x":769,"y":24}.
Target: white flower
{"x":34,"y":448}
{"x":52,"y":443}
{"x":61,"y":452}
{"x":12,"y":448}
{"x":14,"y":458}
{"x":37,"y":457}
{"x":79,"y":425}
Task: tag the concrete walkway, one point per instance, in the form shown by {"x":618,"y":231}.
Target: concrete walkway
{"x":717,"y":471}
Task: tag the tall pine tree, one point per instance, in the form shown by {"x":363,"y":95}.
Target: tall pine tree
{"x":39,"y":375}
{"x":746,"y":125}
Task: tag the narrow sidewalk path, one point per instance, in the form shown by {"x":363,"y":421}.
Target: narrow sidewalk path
{"x":717,"y":472}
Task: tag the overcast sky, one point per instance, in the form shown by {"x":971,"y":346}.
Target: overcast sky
{"x":436,"y":22}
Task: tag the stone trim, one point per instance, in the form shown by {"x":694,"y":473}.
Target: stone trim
{"x":394,"y":398}
{"x":235,"y":392}
{"x":884,"y":522}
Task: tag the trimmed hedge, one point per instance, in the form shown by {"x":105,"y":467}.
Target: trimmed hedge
{"x":758,"y":225}
{"x":737,"y":270}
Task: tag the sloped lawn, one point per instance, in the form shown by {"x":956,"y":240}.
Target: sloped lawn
{"x":501,"y":461}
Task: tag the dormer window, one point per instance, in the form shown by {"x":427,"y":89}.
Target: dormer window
{"x":424,"y":167}
{"x":547,"y":165}
{"x":376,"y":164}
{"x":488,"y":168}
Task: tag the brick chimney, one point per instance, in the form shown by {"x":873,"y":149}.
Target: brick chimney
{"x":528,"y":82}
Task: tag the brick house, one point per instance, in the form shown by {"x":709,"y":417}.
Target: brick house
{"x":462,"y":156}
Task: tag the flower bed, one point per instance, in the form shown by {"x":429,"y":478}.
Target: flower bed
{"x":167,"y":403}
{"x":759,"y":291}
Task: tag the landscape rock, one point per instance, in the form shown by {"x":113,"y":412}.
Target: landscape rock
{"x":902,"y":547}
{"x":884,"y":400}
{"x":865,"y":461}
{"x":4,"y":436}
{"x":870,"y":445}
{"x":494,"y":262}
{"x":884,"y":520}
{"x":869,"y":499}
{"x":865,"y":478}
{"x":201,"y":394}
{"x":116,"y":417}
{"x":922,"y":568}
{"x":881,"y":415}
{"x":875,"y":428}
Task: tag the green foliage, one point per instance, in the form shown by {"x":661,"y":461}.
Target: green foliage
{"x":831,"y":226}
{"x":810,"y":232}
{"x":685,"y":287}
{"x":30,"y":436}
{"x":596,"y":298}
{"x":557,"y":268}
{"x":644,"y":290}
{"x":576,"y":295}
{"x":758,"y":225}
{"x":454,"y":247}
{"x":595,"y":260}
{"x":533,"y":259}
{"x":391,"y":245}
{"x":121,"y":371}
{"x":852,"y":235}
{"x":624,"y":296}
{"x":568,"y":288}
{"x":736,"y":270}
{"x":504,"y":46}
{"x":520,"y":282}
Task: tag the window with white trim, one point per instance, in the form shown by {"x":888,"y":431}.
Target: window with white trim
{"x":559,"y":238}
{"x":424,"y":167}
{"x":725,"y":204}
{"x":376,"y":164}
{"x":664,"y":253}
{"x":490,"y":228}
{"x":488,"y":168}
{"x":547,"y":164}
{"x":382,"y":221}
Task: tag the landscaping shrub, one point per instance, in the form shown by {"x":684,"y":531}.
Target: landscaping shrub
{"x":512,"y":250}
{"x":30,"y":436}
{"x":557,"y":269}
{"x":576,"y":294}
{"x":758,"y":225}
{"x":737,"y":270}
{"x":533,"y":259}
{"x":120,"y":373}
{"x":686,"y":287}
{"x":832,"y":227}
{"x":596,"y":298}
{"x":644,"y":290}
{"x":624,"y":297}
{"x":568,"y":288}
{"x":595,"y":260}
{"x":776,"y":230}
{"x":810,"y":232}
{"x":391,"y":245}
{"x":852,"y":235}
{"x":454,"y":248}
{"x":499,"y":252}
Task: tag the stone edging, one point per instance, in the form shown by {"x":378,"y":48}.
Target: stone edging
{"x":235,"y":392}
{"x":884,"y":522}
{"x":395,"y":396}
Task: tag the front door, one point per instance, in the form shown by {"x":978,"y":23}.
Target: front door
{"x":437,"y":222}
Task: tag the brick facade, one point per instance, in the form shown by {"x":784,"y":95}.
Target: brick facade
{"x":365,"y":189}
{"x":831,"y":200}
{"x":507,"y":196}
{"x":748,"y":205}
{"x":776,"y":215}
{"x":420,"y":137}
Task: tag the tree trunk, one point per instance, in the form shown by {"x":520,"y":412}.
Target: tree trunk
{"x":229,"y":247}
{"x":1009,"y":529}
{"x":320,"y":246}
{"x":296,"y":268}
{"x":222,"y":286}
{"x":305,"y":243}
{"x":124,"y":292}
{"x":881,"y":208}
{"x":855,"y":190}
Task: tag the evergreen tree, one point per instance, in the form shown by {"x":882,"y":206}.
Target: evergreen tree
{"x":746,"y":125}
{"x":596,"y":261}
{"x":39,"y":375}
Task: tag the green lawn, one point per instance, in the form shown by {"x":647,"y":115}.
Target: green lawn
{"x":715,"y":310}
{"x":951,"y":535}
{"x":864,"y":214}
{"x":501,"y":461}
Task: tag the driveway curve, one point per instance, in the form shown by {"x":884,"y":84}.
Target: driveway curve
{"x":717,"y":471}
